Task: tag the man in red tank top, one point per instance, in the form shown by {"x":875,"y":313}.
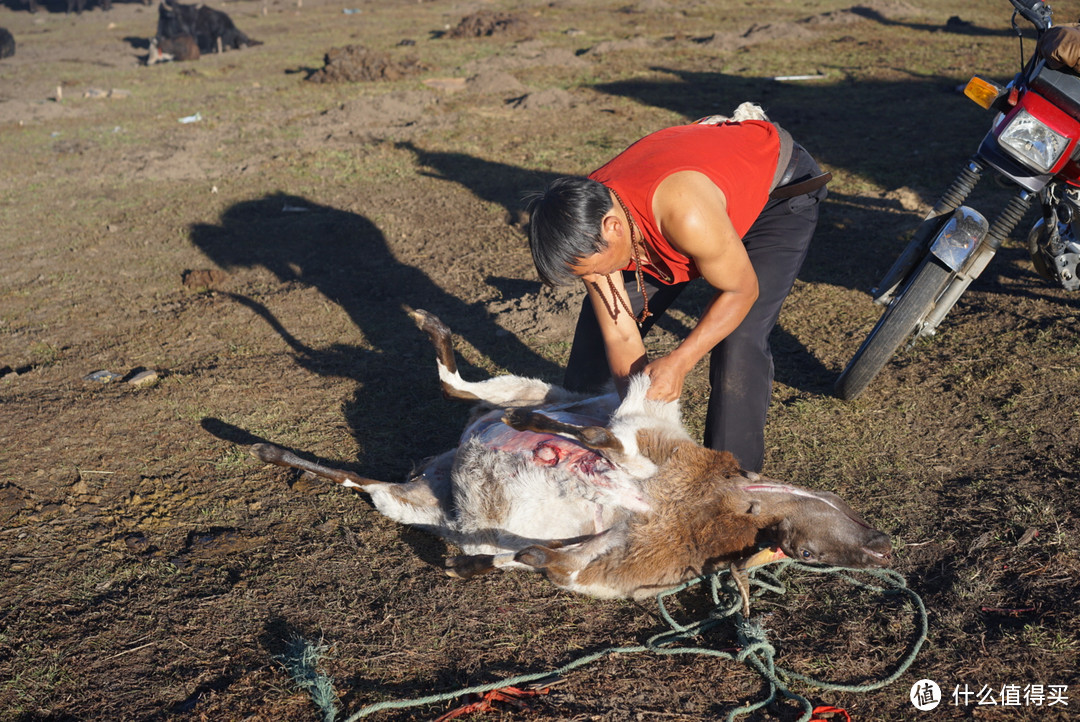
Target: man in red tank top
{"x":735,"y":204}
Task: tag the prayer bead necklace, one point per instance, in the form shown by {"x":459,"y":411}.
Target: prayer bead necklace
{"x":638,"y":252}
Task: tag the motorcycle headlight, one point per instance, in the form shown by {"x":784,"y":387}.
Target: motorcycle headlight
{"x":1030,"y":140}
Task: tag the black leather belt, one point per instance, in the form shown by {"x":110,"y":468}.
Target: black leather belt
{"x":801,"y":188}
{"x":786,"y":189}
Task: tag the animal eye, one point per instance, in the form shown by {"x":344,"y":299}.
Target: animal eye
{"x":807,"y":554}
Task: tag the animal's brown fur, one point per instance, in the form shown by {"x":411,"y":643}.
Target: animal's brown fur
{"x":656,"y":446}
{"x":699,"y":523}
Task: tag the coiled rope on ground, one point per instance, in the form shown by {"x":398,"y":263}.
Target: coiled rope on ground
{"x":754,"y":648}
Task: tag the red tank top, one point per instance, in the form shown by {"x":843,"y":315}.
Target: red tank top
{"x":740,"y":158}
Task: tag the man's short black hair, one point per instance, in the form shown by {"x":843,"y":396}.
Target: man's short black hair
{"x":564,"y":226}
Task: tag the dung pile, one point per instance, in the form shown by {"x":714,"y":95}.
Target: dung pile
{"x":484,"y":23}
{"x":355,"y":63}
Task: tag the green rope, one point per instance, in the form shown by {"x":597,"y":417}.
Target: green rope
{"x":755,"y":650}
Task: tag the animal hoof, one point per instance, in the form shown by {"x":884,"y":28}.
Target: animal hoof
{"x":467,"y":567}
{"x":430,"y":323}
{"x":268,"y":452}
{"x":517,"y":419}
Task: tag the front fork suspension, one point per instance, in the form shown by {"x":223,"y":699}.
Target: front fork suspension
{"x":951,"y":199}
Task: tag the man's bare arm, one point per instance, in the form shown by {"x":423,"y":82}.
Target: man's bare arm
{"x":622,"y":338}
{"x":692,"y":214}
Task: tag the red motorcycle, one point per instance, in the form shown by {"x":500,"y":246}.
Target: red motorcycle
{"x":1032,"y":146}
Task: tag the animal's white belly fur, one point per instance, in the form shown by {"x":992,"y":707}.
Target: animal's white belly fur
{"x":508,"y":503}
{"x":495,"y":501}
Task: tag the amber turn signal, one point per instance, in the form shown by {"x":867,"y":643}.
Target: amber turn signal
{"x":983,"y":92}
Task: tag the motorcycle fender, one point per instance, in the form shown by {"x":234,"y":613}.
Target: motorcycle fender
{"x":959,"y":237}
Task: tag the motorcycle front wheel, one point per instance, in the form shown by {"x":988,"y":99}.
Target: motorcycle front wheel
{"x":900,"y":320}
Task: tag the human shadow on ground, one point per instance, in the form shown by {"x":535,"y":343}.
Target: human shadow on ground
{"x":491,"y":181}
{"x":346,"y":258}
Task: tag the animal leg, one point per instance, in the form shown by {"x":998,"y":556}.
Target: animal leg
{"x":439,"y":333}
{"x":498,"y":391}
{"x":597,"y":438}
{"x":741,"y":577}
{"x":740,"y":573}
{"x":276,"y":455}
{"x":468,"y":566}
{"x":562,"y":563}
{"x":558,"y":565}
{"x":416,"y":492}
{"x":441,"y":339}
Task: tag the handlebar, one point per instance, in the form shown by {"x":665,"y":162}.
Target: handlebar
{"x":1036,"y":12}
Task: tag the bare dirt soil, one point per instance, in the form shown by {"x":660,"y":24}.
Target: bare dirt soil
{"x":251,"y":237}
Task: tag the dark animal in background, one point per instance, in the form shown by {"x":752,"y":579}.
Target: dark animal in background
{"x":213,"y":30}
{"x":79,"y":5}
{"x":182,"y":47}
{"x":7,"y":43}
{"x":606,"y":498}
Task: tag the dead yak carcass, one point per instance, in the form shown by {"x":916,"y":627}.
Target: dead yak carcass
{"x":606,"y":498}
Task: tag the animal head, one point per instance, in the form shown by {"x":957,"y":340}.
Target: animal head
{"x":175,"y":19}
{"x":818,"y":527}
{"x":157,"y":55}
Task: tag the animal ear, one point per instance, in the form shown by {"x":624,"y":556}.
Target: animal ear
{"x":784,"y":530}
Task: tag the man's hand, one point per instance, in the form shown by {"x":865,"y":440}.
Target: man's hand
{"x":667,"y":374}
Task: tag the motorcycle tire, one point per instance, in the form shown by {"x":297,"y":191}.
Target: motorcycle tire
{"x":895,"y":326}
